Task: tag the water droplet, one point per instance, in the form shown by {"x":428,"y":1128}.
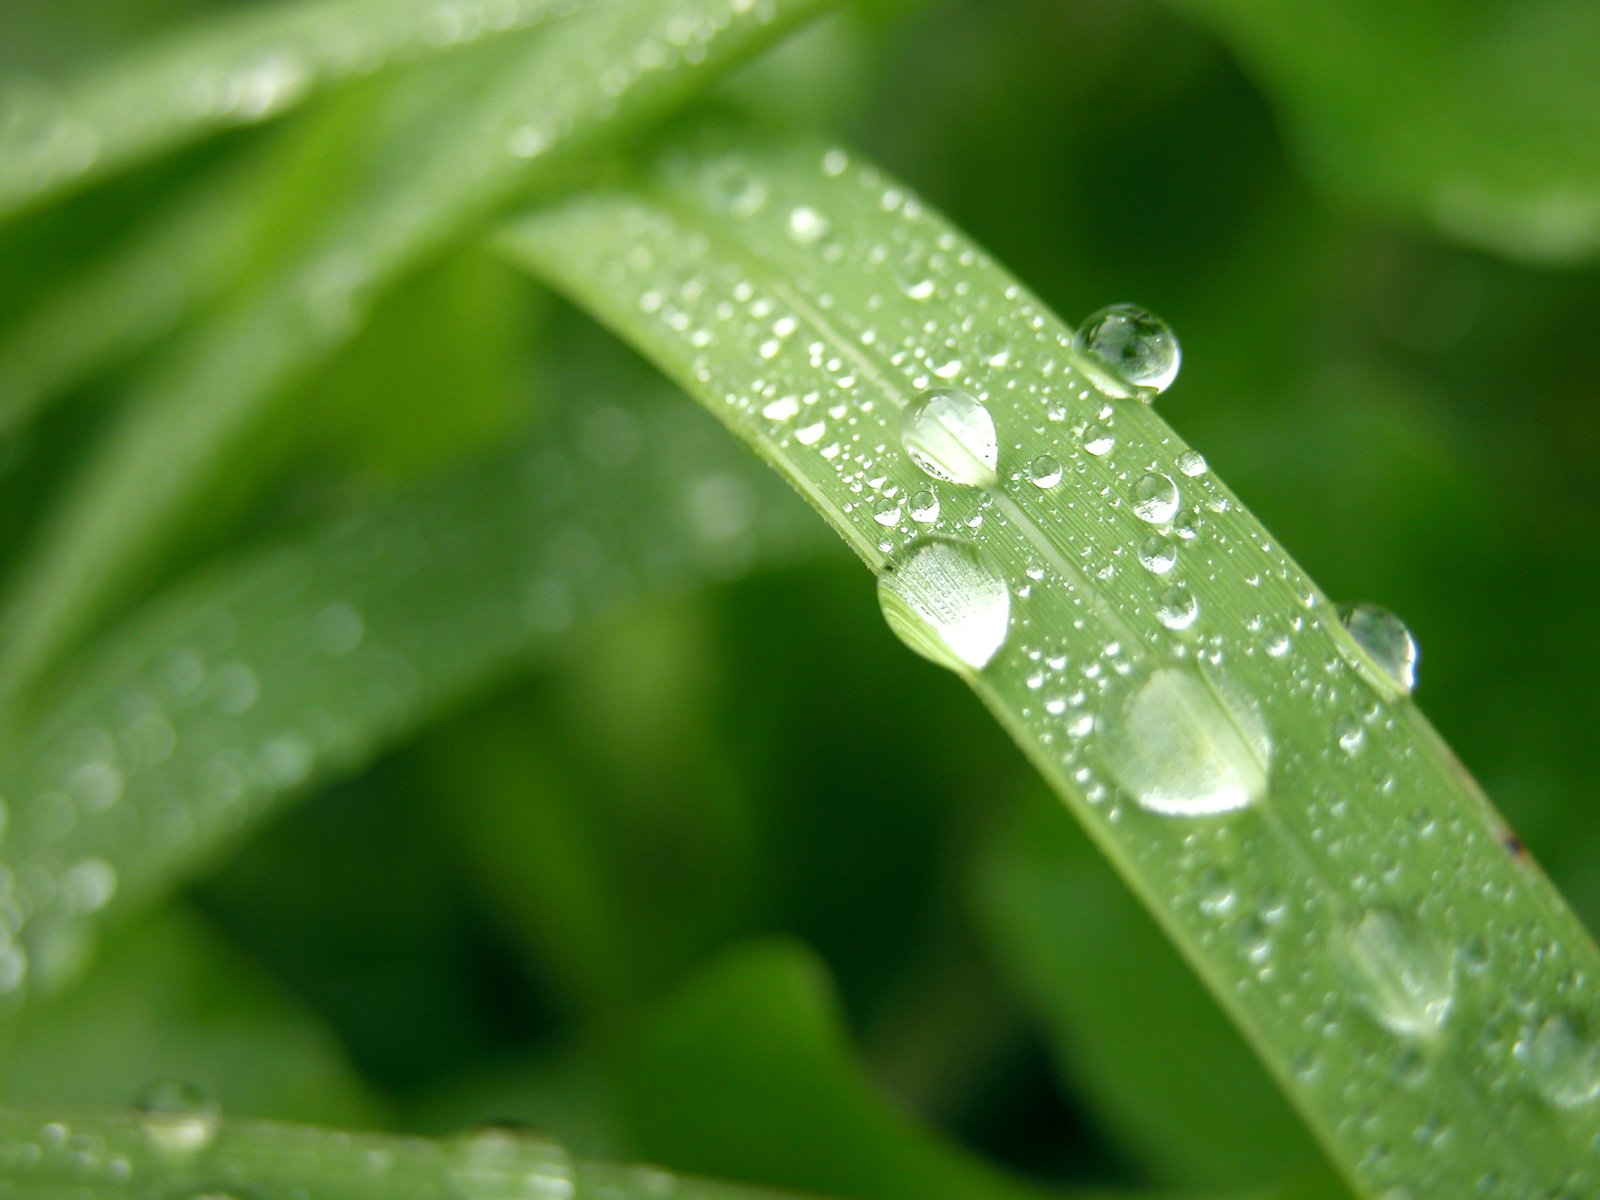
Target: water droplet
{"x":924,"y":506}
{"x":178,"y":1117}
{"x":1192,"y":464}
{"x":1159,"y":554}
{"x":806,"y":225}
{"x":1178,"y":608}
{"x":1409,"y":980}
{"x":737,"y":191}
{"x":945,"y":602}
{"x":1155,"y":498}
{"x":1187,"y":745}
{"x":1098,"y":440}
{"x":1045,"y":471}
{"x":887,"y":513}
{"x":952,"y":437}
{"x":1562,"y":1063}
{"x":1387,"y":643}
{"x":1132,"y":352}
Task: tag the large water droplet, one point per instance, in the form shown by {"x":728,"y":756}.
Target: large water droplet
{"x":1045,"y":471}
{"x":1188,"y":746}
{"x":951,"y":436}
{"x":178,"y":1117}
{"x":1130,"y":351}
{"x":1408,"y":980}
{"x":1388,"y":644}
{"x":1155,"y":498}
{"x":1562,"y":1063}
{"x":945,"y":602}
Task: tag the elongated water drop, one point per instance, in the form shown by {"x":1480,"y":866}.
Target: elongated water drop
{"x":1131,"y":352}
{"x":951,"y":436}
{"x":1188,"y":746}
{"x":1387,"y":643}
{"x":944,"y":601}
{"x":1562,"y":1063}
{"x":1408,"y":980}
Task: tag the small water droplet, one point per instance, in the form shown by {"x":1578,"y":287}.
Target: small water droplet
{"x":1387,"y":644}
{"x":1044,"y":471}
{"x":1192,"y":464}
{"x":1132,"y":352}
{"x":1159,"y":554}
{"x":178,"y":1117}
{"x":944,"y":601}
{"x":807,"y":226}
{"x":1409,"y":980}
{"x":887,"y":513}
{"x":1178,"y":608}
{"x":924,"y":506}
{"x":1155,"y":498}
{"x":1562,"y":1063}
{"x":1098,"y":440}
{"x":1187,"y":745}
{"x":951,"y":436}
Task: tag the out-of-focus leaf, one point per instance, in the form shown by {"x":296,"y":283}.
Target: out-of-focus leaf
{"x":1480,"y":118}
{"x":1151,"y":1053}
{"x":609,"y":832}
{"x":169,"y":741}
{"x":746,"y":1073}
{"x":191,"y":423}
{"x":240,"y":69}
{"x":170,"y":1000}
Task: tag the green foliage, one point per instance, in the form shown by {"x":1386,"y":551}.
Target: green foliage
{"x":413,"y":720}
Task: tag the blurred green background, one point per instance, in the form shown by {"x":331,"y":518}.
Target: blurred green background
{"x":735,"y":884}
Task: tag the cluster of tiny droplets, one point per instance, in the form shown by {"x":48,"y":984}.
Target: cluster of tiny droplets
{"x":1008,"y":480}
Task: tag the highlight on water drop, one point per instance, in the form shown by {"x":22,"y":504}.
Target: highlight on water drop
{"x":1129,"y":351}
{"x":943,"y":599}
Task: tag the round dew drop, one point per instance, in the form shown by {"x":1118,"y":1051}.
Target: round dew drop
{"x":179,"y":1118}
{"x":1131,"y":352}
{"x":1155,"y":499}
{"x":1187,"y":745}
{"x":951,"y":436}
{"x":1045,"y":471}
{"x":943,"y":600}
{"x":1386,"y":643}
{"x":1562,"y":1064}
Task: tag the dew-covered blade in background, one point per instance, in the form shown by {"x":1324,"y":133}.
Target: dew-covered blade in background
{"x":239,"y":69}
{"x":192,"y":418}
{"x":1257,"y":772}
{"x":165,"y":744}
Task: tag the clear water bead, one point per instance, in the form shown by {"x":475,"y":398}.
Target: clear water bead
{"x":924,"y":506}
{"x":943,"y":600}
{"x":1132,"y":351}
{"x":1045,"y":471}
{"x":951,"y":436}
{"x":1408,"y":979}
{"x":1386,"y":641}
{"x":1185,"y":745}
{"x":1155,"y":499}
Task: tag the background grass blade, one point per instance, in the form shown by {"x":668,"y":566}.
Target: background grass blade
{"x":1436,"y":117}
{"x":593,"y":75}
{"x":1421,"y":993}
{"x":171,"y":740}
{"x":238,"y":69}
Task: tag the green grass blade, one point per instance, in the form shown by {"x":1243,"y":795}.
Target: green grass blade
{"x":103,"y":1157}
{"x":244,"y":687}
{"x":1421,"y":993}
{"x":238,"y":69}
{"x":185,"y":427}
